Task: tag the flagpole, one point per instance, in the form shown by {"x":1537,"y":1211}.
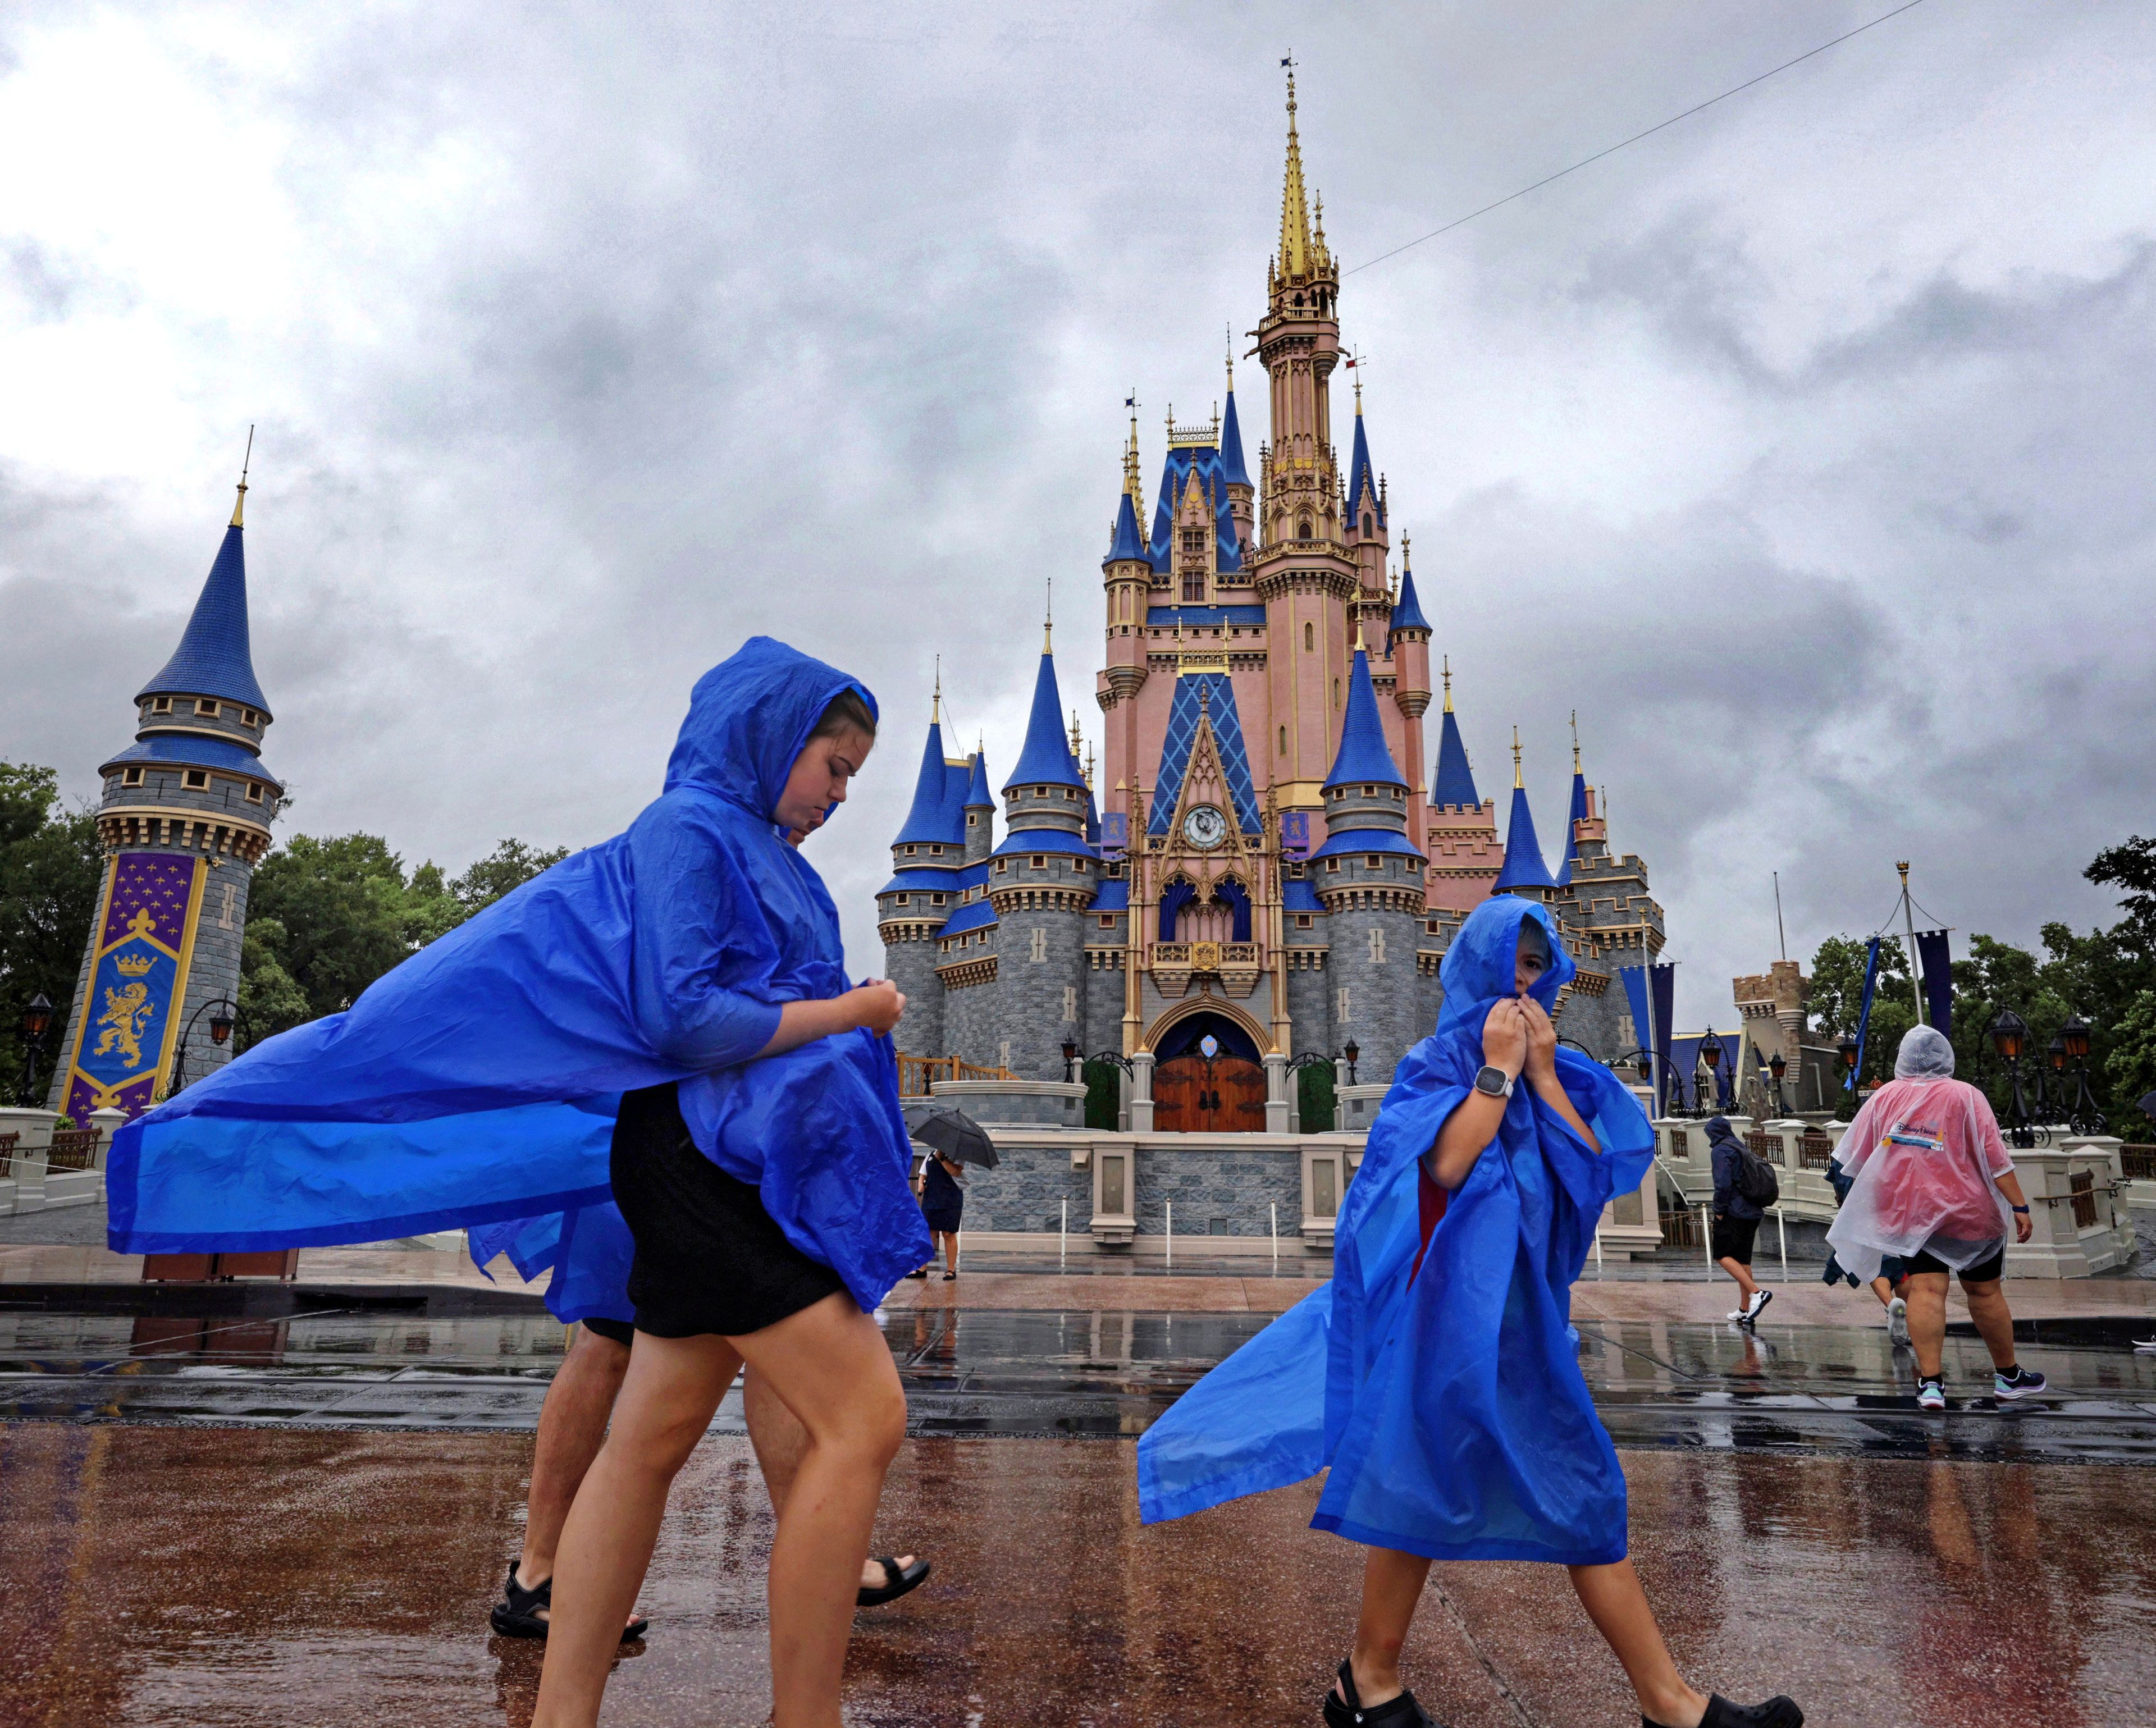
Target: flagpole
{"x":1909,"y":923}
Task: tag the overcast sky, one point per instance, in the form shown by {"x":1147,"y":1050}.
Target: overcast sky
{"x":1806,"y":447}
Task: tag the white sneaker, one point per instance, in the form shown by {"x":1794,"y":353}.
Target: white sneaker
{"x":1760,"y":1299}
{"x":1737,"y":1316}
{"x":1897,"y":1321}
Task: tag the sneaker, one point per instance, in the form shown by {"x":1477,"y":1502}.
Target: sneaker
{"x":2021,"y":1383}
{"x":1932,"y":1394}
{"x":1897,"y":1321}
{"x":1760,"y":1299}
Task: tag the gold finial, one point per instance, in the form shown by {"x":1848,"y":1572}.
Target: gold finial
{"x":1358,"y":633}
{"x":239,"y":504}
{"x":1575,"y":740}
{"x":1517,"y":781}
{"x":1131,"y":483}
{"x":1047,"y":621}
{"x":1077,"y":737}
{"x":1406,"y":563}
{"x":1228,"y":331}
{"x":1295,"y":247}
{"x":936,"y":700}
{"x":1445,"y":660}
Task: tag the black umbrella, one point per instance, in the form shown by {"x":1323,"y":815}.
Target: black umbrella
{"x":958,"y":1137}
{"x":2148,"y":1106}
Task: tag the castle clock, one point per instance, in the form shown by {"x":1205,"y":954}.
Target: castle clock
{"x":1204,"y":827}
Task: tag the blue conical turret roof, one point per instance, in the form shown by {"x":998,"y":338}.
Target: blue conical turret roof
{"x":212,"y":658}
{"x":1363,"y":756}
{"x":1577,"y":815}
{"x":1046,"y":760}
{"x":1127,"y":541}
{"x":929,"y":821}
{"x":1455,"y":780}
{"x":1358,"y":471}
{"x":1523,"y":853}
{"x":1407,"y":610}
{"x":978,"y":795}
{"x":1231,"y":444}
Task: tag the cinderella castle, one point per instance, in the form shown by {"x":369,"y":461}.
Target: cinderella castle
{"x":1265,"y":868}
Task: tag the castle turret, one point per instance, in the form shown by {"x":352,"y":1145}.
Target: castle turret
{"x":1040,"y":880}
{"x":1460,"y":840}
{"x":1524,"y":874}
{"x":980,"y":810}
{"x":1610,"y":918}
{"x":1407,"y":634}
{"x":925,"y":888}
{"x":1368,"y":876}
{"x":1368,"y":536}
{"x":1241,"y":494}
{"x":1580,"y":812}
{"x":183,"y":820}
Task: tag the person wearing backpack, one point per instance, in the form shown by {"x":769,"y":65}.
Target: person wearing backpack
{"x":1744,"y":1187}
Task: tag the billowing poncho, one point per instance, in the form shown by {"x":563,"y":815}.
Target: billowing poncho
{"x":1446,"y":1395}
{"x":478,"y":1082}
{"x":1924,"y":1154}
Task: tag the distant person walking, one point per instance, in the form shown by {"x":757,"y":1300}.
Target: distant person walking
{"x":943,"y":1203}
{"x":1932,"y":1184}
{"x":1737,"y":1215}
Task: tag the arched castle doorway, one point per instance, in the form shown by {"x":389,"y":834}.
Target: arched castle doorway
{"x":1207,"y":1078}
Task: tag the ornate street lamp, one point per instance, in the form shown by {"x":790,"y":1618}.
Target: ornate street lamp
{"x":222,"y":1014}
{"x":1351,"y":1050}
{"x":2010,"y":1036}
{"x":37,"y":1020}
{"x":1777,"y":1065}
{"x":1070,"y":1050}
{"x":2083,"y":1117}
{"x":1710,"y":1053}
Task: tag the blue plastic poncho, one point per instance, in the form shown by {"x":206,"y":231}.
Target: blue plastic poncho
{"x":478,"y":1082}
{"x":1447,"y":1398}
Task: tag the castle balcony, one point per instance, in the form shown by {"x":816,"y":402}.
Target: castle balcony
{"x":1236,"y":964}
{"x":123,"y":827}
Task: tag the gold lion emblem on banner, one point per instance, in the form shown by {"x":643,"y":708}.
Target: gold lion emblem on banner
{"x":126,"y":1014}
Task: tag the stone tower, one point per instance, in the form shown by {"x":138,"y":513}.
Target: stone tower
{"x":1368,"y":875}
{"x":928,"y":884}
{"x":184,"y":818}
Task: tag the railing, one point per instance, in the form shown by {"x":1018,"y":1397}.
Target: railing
{"x":2082,"y":1187}
{"x":917,"y":1073}
{"x":1767,"y":1146}
{"x":1814,"y":1152}
{"x":8,"y":1152}
{"x":1680,"y":1227}
{"x":2138,"y":1163}
{"x":1680,"y":1143}
{"x":73,"y":1149}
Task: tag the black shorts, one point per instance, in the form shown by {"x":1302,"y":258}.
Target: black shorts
{"x":709,"y":1259}
{"x":620,"y":1331}
{"x":1983,"y":1272}
{"x":1734,"y":1237}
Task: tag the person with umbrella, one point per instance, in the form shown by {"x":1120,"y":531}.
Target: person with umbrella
{"x":952,"y":1138}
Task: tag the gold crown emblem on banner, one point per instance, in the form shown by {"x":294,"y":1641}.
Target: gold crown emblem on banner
{"x":134,"y":966}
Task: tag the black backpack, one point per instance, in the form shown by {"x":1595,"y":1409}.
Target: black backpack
{"x":1756,"y":1180}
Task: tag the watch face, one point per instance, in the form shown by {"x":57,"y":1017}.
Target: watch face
{"x":1204,"y":826}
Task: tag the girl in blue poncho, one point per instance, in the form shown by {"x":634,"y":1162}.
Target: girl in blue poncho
{"x":1436,"y":1374}
{"x":663,"y":1020}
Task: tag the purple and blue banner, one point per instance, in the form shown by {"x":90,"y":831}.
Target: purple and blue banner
{"x":1114,"y":834}
{"x":1295,"y":833}
{"x":1651,"y":991}
{"x":1864,"y":1016}
{"x":1936,"y":962}
{"x":129,"y":1019}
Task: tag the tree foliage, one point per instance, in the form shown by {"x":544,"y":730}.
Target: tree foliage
{"x":50,"y":871}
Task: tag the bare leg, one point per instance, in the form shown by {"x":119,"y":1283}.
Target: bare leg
{"x":830,"y":1366}
{"x":1883,"y":1288}
{"x":1617,"y":1607}
{"x":780,"y":1440}
{"x":667,"y":1399}
{"x":1391,"y":1586}
{"x":950,"y":1249}
{"x":1742,"y":1274}
{"x":1995,"y":1320}
{"x":1926,"y":1292}
{"x":572,"y":1425}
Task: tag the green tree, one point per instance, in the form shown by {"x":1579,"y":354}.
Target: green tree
{"x":2131,"y":1067}
{"x":1837,"y":1001}
{"x":51,"y":869}
{"x":508,"y":866}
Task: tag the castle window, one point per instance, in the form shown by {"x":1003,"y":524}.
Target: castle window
{"x":1333,"y":864}
{"x":160,"y":705}
{"x":902,"y":899}
{"x":130,"y":777}
{"x":1369,"y":791}
{"x":1309,"y":638}
{"x":1335,"y":693}
{"x":1369,"y":525}
{"x":1193,"y":585}
{"x":1302,"y":528}
{"x":1374,"y":862}
{"x":935,"y":900}
{"x":911,"y":850}
{"x":1107,"y":920}
{"x":1079,"y":865}
{"x":1001,"y":865}
{"x":936,"y":852}
{"x":248,"y":716}
{"x":197,"y":780}
{"x":1283,"y":740}
{"x":203,"y":704}
{"x":1039,"y":860}
{"x":1303,"y":920}
{"x":253,"y":792}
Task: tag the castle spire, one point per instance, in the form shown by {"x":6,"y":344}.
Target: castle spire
{"x":1517,"y":781}
{"x":1046,"y":760}
{"x":1364,"y":754}
{"x":1133,"y":486}
{"x":1296,"y":249}
{"x":1523,"y":867}
{"x":1455,"y":778}
{"x":239,"y":504}
{"x":1578,"y":812}
{"x":215,"y":658}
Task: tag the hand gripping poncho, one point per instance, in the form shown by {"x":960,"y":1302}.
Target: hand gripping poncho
{"x":1445,"y":1396}
{"x":477,"y":1083}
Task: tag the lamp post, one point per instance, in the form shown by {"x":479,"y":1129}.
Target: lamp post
{"x":1070,"y":1059}
{"x":37,"y":1019}
{"x":1351,"y":1050}
{"x":2010,"y":1036}
{"x":1710,"y":1053}
{"x":1777,"y":1065}
{"x":2083,"y":1117}
{"x":223,"y":1015}
{"x":1849,"y":1051}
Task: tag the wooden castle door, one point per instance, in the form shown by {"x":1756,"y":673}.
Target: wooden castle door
{"x":1194,"y":1095}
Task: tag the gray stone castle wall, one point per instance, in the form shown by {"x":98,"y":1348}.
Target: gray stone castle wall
{"x":1382,"y":992}
{"x":972,"y":1013}
{"x":1217,"y":1193}
{"x":1026,"y":1190}
{"x":1309,"y":1010}
{"x":911,"y":965}
{"x":1104,"y":1006}
{"x":1040,"y":987}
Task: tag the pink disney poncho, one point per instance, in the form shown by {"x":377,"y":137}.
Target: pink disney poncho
{"x":1925,"y":1152}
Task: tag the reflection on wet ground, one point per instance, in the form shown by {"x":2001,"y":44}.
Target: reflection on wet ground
{"x":480,"y":1361}
{"x":277,"y":1578}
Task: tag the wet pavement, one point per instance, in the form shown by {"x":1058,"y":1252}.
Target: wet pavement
{"x":458,"y":1359}
{"x":282,"y":1578}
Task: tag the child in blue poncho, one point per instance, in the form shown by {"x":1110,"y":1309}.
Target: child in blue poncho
{"x":1436,"y":1374}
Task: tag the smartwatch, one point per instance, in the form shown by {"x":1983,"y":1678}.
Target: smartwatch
{"x":1494,"y":1081}
{"x":2023,"y":1210}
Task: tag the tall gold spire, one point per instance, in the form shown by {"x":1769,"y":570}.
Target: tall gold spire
{"x":1517,"y":781}
{"x":936,"y":700}
{"x":1296,"y":253}
{"x":1048,"y":620}
{"x":239,"y":504}
{"x":1446,"y":661}
{"x":1131,"y":483}
{"x":1575,"y":740}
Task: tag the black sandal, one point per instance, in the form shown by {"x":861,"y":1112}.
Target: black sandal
{"x":902,"y":1579}
{"x":516,"y":1615}
{"x":1343,"y":1708}
{"x":1777,"y":1712}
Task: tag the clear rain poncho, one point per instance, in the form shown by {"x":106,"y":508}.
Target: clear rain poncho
{"x":1922,"y":1156}
{"x":477,"y":1083}
{"x":1438,"y":1377}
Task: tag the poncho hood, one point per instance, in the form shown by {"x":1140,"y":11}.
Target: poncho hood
{"x":748,"y":718}
{"x":1479,"y":966}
